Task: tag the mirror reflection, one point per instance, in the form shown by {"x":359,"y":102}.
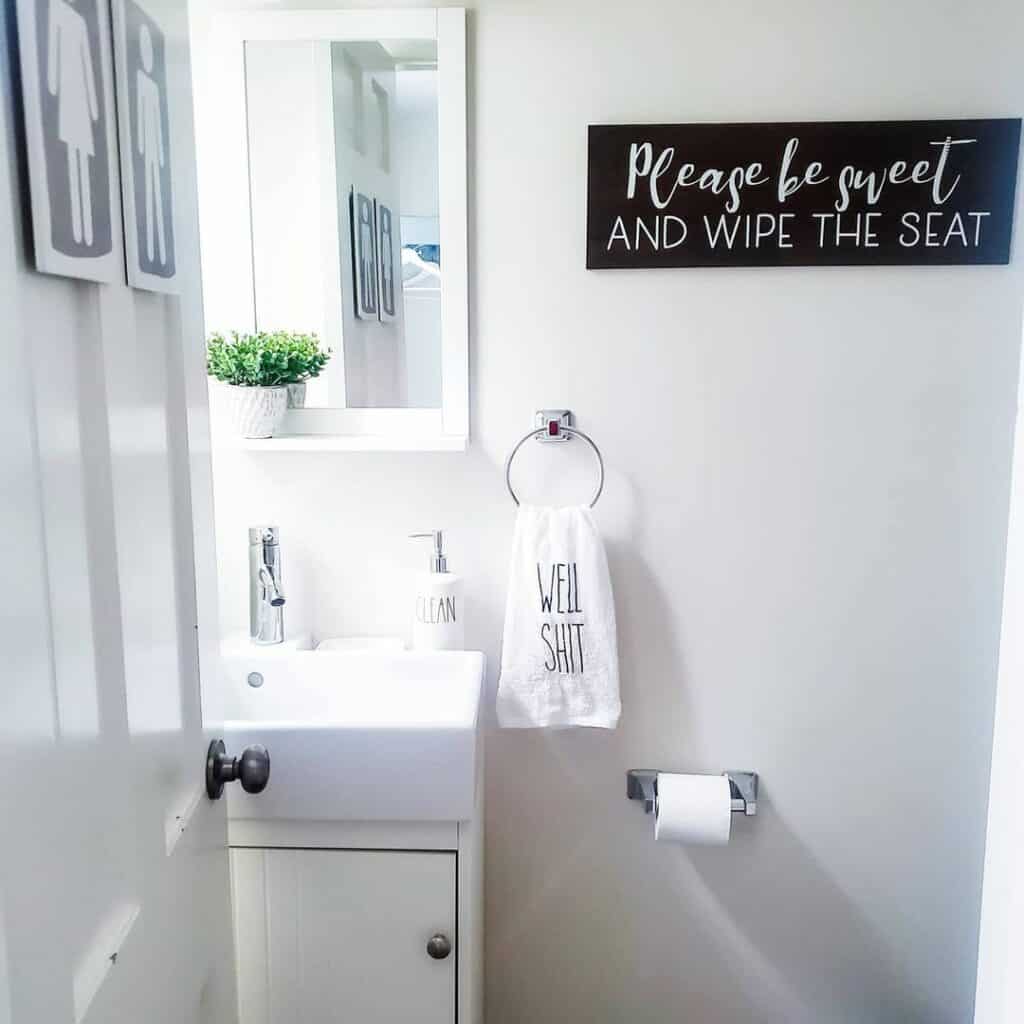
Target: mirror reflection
{"x":343,"y":180}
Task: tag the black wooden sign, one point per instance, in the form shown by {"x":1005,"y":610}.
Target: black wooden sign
{"x":811,"y":194}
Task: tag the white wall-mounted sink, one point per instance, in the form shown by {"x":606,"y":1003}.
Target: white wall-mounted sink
{"x":356,"y":735}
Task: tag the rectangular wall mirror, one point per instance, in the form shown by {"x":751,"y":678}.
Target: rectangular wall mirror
{"x":332,"y":179}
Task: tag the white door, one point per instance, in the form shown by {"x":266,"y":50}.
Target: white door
{"x":114,"y":891}
{"x":1000,"y":988}
{"x":325,"y":936}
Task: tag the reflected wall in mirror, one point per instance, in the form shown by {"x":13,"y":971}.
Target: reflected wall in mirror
{"x":344,"y":206}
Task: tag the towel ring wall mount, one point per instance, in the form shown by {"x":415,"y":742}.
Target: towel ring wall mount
{"x":555,"y":425}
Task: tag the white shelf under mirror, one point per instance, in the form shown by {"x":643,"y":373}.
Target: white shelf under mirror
{"x":314,"y":430}
{"x":346,"y":443}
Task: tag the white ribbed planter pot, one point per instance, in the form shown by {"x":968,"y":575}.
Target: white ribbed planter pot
{"x":257,"y":412}
{"x":297,"y":395}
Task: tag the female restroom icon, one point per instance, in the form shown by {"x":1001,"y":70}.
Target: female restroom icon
{"x":71,"y":77}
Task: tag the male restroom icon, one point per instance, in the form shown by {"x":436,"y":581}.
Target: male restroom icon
{"x":149,"y":140}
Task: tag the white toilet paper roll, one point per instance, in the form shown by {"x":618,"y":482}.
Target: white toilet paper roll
{"x":695,"y":809}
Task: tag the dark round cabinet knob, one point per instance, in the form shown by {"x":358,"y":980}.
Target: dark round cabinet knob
{"x":252,"y":769}
{"x":439,"y":946}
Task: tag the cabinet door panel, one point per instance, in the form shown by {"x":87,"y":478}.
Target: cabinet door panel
{"x":340,"y":936}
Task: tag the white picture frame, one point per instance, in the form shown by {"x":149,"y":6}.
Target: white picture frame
{"x":365,"y":292}
{"x":71,"y":135}
{"x":147,"y":169}
{"x":388,"y":246}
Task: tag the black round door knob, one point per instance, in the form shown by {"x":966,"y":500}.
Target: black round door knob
{"x":439,"y":946}
{"x":251,"y":769}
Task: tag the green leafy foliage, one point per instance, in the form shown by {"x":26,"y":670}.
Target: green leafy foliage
{"x":264,"y":359}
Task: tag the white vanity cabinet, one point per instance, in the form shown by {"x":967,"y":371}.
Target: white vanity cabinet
{"x":367,"y":841}
{"x":342,"y":935}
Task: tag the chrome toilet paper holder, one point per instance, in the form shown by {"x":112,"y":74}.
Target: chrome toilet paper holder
{"x":642,"y":784}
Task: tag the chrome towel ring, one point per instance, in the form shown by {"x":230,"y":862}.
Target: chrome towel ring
{"x":556,"y":425}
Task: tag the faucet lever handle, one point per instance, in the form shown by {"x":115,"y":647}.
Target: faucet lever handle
{"x":271,"y":587}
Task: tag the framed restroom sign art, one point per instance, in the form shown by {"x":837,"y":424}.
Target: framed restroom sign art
{"x":71,"y":137}
{"x":147,"y":179}
{"x":843,"y":193}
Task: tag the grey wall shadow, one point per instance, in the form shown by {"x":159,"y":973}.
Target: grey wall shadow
{"x":561,"y":834}
{"x":757,"y":931}
{"x":798,"y":926}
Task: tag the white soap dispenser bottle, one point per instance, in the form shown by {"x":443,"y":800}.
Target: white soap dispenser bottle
{"x":437,"y":621}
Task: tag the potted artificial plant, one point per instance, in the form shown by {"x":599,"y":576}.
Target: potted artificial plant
{"x":265,"y":374}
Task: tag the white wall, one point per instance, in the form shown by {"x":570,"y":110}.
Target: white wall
{"x":416,"y":139}
{"x":805,"y":514}
{"x":374,"y":351}
{"x":283,"y":83}
{"x":417,"y":145}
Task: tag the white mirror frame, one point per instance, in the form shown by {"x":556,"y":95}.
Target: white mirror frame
{"x":226,"y":234}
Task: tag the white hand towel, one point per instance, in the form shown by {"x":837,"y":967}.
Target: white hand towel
{"x":559,"y":659}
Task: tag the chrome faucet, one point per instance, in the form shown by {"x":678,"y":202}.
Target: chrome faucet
{"x":266,"y":598}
